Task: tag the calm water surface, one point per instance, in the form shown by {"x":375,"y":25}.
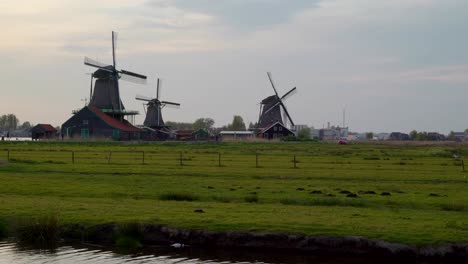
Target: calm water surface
{"x":80,"y":253}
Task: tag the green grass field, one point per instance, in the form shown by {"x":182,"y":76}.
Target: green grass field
{"x":256,"y":188}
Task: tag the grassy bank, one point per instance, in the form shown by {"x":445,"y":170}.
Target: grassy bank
{"x":414,"y":194}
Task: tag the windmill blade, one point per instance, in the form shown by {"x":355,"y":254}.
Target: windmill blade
{"x":287,"y":113}
{"x":143,"y":98}
{"x":114,"y":47}
{"x":132,"y":78}
{"x":272,"y":83}
{"x":291,"y":92}
{"x":170,"y":103}
{"x":96,"y":64}
{"x":136,"y":75}
{"x":158,"y":87}
{"x":271,"y":108}
{"x":144,"y":108}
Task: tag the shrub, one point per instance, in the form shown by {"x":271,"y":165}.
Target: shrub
{"x":172,"y":196}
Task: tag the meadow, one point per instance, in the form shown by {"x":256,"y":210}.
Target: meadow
{"x":412,"y":194}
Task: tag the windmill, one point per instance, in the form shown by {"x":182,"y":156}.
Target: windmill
{"x":154,"y":106}
{"x":106,"y":94}
{"x":270,"y":108}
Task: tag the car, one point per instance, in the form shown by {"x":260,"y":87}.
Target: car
{"x":342,"y":142}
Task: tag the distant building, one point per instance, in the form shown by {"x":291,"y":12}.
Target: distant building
{"x":333,"y":133}
{"x":275,"y":131}
{"x":91,"y":122}
{"x":236,"y":135}
{"x":43,"y":131}
{"x":184,"y":134}
{"x":382,"y":136}
{"x":297,"y":128}
{"x":399,"y":136}
{"x":460,"y":136}
{"x":434,"y":136}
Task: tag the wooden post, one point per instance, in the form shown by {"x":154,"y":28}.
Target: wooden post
{"x":143,"y":157}
{"x":256,"y":160}
{"x":219,"y":159}
{"x":8,"y":155}
{"x":109,"y":158}
{"x":73,"y":157}
{"x":180,"y":159}
{"x":295,"y":162}
{"x":463,"y":164}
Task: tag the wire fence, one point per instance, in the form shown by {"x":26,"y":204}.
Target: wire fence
{"x":227,"y":159}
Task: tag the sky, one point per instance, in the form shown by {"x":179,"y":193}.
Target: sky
{"x":393,"y":65}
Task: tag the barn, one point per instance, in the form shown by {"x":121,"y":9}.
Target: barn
{"x":91,"y":122}
{"x":275,"y":131}
{"x":43,"y":131}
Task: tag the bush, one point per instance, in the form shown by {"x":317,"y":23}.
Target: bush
{"x":179,"y":197}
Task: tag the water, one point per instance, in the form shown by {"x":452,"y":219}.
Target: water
{"x":10,"y":253}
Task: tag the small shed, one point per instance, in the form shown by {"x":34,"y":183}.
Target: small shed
{"x":201,"y":134}
{"x":43,"y":131}
{"x":275,"y":131}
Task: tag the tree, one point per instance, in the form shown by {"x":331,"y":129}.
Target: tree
{"x":203,"y":123}
{"x":304,"y":134}
{"x":451,"y":135}
{"x":421,"y":136}
{"x":237,"y":124}
{"x":413,"y":134}
{"x":9,"y":122}
{"x":253,"y":125}
{"x":25,"y":125}
{"x":179,"y":125}
{"x":466,"y":130}
{"x":369,"y":135}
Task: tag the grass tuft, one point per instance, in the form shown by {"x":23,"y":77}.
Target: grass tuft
{"x":253,"y":198}
{"x":453,"y":207}
{"x":176,"y":196}
{"x":325,"y":201}
{"x":42,"y":231}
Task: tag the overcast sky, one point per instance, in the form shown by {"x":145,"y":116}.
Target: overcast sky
{"x":395,"y":65}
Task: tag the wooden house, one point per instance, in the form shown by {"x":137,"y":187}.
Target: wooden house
{"x":275,"y":131}
{"x":43,"y":131}
{"x":91,"y":122}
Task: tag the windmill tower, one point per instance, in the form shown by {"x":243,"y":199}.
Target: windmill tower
{"x":106,"y":94}
{"x":154,"y":117}
{"x":272,"y":108}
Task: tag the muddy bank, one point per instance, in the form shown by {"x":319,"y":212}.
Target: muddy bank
{"x":349,"y":245}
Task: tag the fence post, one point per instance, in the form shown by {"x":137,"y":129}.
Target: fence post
{"x":143,"y":157}
{"x":295,"y":162}
{"x":8,"y":155}
{"x":73,"y":157}
{"x":109,"y":158}
{"x":256,"y":160}
{"x":180,"y":159}
{"x":219,"y":159}
{"x":463,"y":164}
